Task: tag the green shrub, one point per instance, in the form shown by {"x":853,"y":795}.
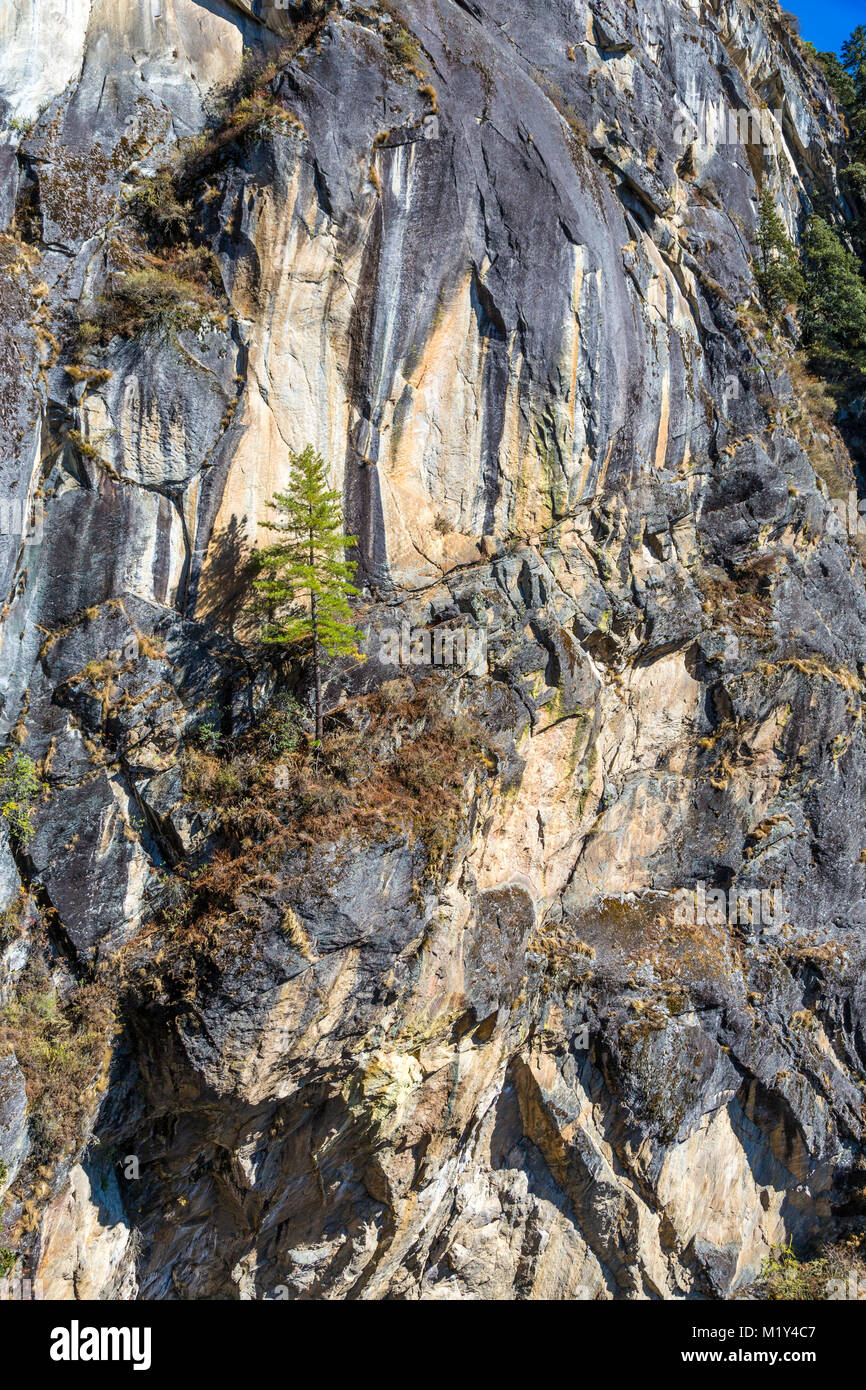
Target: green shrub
{"x":281,"y":725}
{"x":20,"y":789}
{"x":207,"y":732}
{"x":855,"y":177}
{"x":785,"y":1277}
{"x":404,"y":49}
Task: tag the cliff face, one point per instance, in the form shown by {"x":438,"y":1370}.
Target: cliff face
{"x":493,"y":260}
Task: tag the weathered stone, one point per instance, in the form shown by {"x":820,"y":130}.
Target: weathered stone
{"x":493,"y":260}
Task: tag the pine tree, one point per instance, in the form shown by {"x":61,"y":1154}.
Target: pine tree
{"x":854,"y":65}
{"x":834,"y":308}
{"x":779,"y":276}
{"x":305,"y":580}
{"x":847,"y":77}
{"x":840,"y":80}
{"x":854,"y":61}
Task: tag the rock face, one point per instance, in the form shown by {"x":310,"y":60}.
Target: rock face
{"x":493,"y":260}
{"x":13,"y":1120}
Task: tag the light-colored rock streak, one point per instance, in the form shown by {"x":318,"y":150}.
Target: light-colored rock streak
{"x":41,"y":52}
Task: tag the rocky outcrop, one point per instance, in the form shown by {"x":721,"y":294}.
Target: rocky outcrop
{"x":494,"y":261}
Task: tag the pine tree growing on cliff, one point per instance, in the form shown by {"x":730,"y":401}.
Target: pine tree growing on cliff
{"x":854,"y":62}
{"x":778,"y":272}
{"x":847,"y":77}
{"x":305,"y":580}
{"x":834,"y":309}
{"x":854,"y":65}
{"x":839,"y":78}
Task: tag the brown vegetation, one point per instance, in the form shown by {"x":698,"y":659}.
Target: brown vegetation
{"x":60,"y":1044}
{"x":396,"y":762}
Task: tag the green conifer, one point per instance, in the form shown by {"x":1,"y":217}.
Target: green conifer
{"x":833,"y":317}
{"x":778,"y":272}
{"x":305,"y":580}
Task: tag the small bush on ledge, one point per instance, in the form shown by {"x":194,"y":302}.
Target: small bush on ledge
{"x":20,"y":789}
{"x":157,"y":301}
{"x":829,"y":1275}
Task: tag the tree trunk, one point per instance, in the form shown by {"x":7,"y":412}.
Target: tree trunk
{"x":317,"y":665}
{"x":317,"y":668}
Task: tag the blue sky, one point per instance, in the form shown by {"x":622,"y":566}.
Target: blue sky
{"x":827,"y":22}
